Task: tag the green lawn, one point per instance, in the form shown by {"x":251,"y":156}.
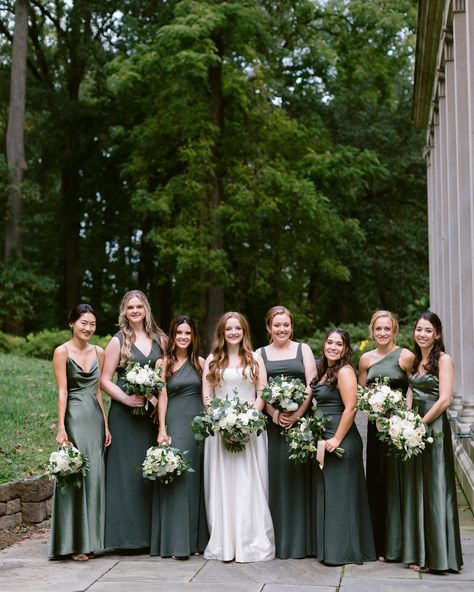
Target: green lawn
{"x":27,"y":416}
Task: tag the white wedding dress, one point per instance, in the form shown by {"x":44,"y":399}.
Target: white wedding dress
{"x":236,"y":489}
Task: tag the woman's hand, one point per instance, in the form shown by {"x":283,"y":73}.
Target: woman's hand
{"x":62,"y":438}
{"x":163,"y":438}
{"x":108,"y":437}
{"x":134,"y":400}
{"x":332,"y":444}
{"x":286,"y":420}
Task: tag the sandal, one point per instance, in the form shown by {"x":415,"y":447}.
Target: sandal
{"x":79,"y":557}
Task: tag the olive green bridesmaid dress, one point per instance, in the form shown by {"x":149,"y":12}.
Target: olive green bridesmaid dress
{"x":128,"y":494}
{"x":77,"y":521}
{"x":289,"y":481}
{"x":179,"y":524}
{"x":431,"y":535}
{"x":342,"y":518}
{"x":384,"y":471}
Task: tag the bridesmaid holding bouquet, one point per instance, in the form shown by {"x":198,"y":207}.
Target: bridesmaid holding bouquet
{"x":431,"y":538}
{"x":78,"y":514}
{"x":384,"y":472}
{"x":179,"y":526}
{"x":289,"y":497}
{"x":129,"y":496}
{"x":343,"y":529}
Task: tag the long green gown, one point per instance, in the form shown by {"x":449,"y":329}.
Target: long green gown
{"x":342,"y":521}
{"x":385,"y":472}
{"x":77,"y":521}
{"x":289,"y":481}
{"x":179,"y":525}
{"x":128,"y":494}
{"x":430,"y":522}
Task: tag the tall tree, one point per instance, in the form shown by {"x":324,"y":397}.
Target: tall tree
{"x":15,"y":132}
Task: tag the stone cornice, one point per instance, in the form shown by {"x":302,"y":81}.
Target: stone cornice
{"x":430,"y":20}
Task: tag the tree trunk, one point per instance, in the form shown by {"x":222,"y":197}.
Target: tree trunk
{"x":15,"y":132}
{"x":215,"y":293}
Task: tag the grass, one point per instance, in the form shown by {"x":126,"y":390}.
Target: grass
{"x":28,"y":416}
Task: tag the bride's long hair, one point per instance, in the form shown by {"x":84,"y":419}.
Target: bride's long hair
{"x":220,"y":359}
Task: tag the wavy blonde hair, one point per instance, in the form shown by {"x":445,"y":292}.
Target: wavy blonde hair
{"x":220,"y":359}
{"x":149,"y":325}
{"x":271,"y":314}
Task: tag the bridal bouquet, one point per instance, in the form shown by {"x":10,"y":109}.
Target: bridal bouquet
{"x":163,"y":463}
{"x":142,"y":380}
{"x":67,"y":466}
{"x":405,"y":433}
{"x":304,"y":436}
{"x":233,"y":419}
{"x":285,"y":394}
{"x":379,"y":400}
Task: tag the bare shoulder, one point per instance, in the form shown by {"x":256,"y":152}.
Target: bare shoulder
{"x":445,"y":361}
{"x":347,"y":371}
{"x":406,"y":358}
{"x":306,"y":349}
{"x":60,"y":353}
{"x":201,"y":361}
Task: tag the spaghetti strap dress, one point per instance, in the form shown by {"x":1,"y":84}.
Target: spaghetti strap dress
{"x":179,"y":524}
{"x":384,"y":471}
{"x":431,"y":535}
{"x":343,"y":526}
{"x":128,"y":494}
{"x":289,"y":481}
{"x":236,"y":488}
{"x":77,"y":520}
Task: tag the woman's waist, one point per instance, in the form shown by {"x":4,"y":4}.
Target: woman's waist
{"x":330,"y":407}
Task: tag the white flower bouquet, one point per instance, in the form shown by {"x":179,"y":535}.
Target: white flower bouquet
{"x":233,"y":419}
{"x":163,"y":463}
{"x":379,"y":400}
{"x":285,"y":394}
{"x":145,"y":381}
{"x":304,"y":436}
{"x":405,"y":433}
{"x":67,"y":466}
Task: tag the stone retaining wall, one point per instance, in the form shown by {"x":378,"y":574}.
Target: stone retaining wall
{"x":27,"y":501}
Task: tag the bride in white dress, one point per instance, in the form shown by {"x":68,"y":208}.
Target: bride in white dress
{"x":236,"y":484}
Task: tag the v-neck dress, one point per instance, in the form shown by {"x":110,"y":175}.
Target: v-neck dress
{"x":77,"y":520}
{"x":384,"y":471}
{"x":179,"y":524}
{"x":129,"y":495}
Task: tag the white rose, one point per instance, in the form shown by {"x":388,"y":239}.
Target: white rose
{"x":141,"y":377}
{"x":131,"y":376}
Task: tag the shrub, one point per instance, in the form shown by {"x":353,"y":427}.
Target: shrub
{"x":42,"y":344}
{"x":9,"y":343}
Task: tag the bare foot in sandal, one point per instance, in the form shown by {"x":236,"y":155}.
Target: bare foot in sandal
{"x":80,"y":557}
{"x":420,"y":569}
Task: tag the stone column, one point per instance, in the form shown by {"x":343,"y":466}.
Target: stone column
{"x":451,"y":208}
{"x":443,"y":208}
{"x":463,"y":28}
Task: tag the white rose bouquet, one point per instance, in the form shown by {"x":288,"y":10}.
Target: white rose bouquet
{"x":405,"y":433}
{"x":233,"y":419}
{"x":379,"y":400}
{"x":285,"y":394}
{"x":163,"y":463}
{"x":145,"y":381}
{"x":304,"y":436}
{"x":67,"y":466}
